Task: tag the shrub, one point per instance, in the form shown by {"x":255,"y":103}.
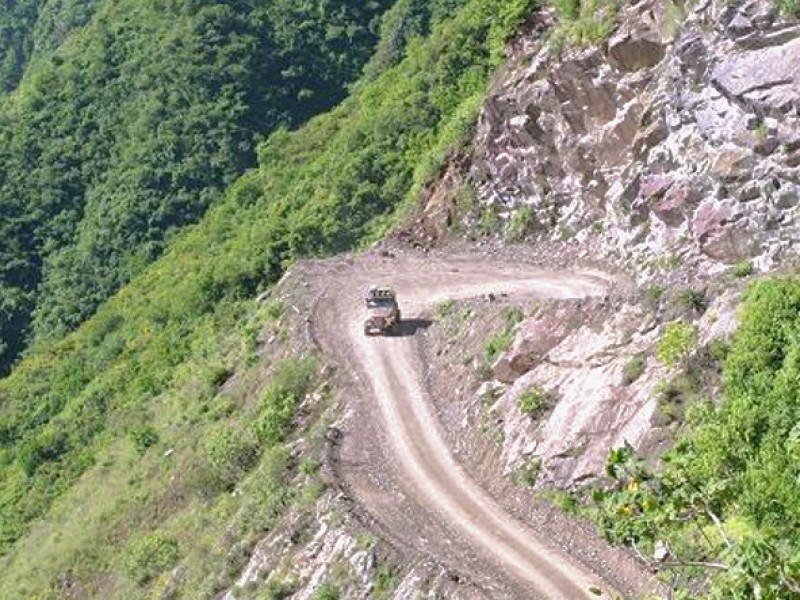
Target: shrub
{"x":276,"y":589}
{"x":533,"y":402}
{"x":718,"y":349}
{"x":528,"y":472}
{"x":677,"y":343}
{"x":788,"y":7}
{"x":655,"y":293}
{"x":144,"y":437}
{"x":743,"y":269}
{"x":674,"y":396}
{"x":445,"y":309}
{"x":633,"y":369}
{"x":693,"y":300}
{"x":327,"y":591}
{"x":229,"y":453}
{"x":497,"y":344}
{"x":385,"y":581}
{"x":489,"y":221}
{"x":512,"y":315}
{"x":286,"y":390}
{"x":150,"y":555}
{"x":519,"y":223}
{"x":584,"y":22}
{"x":567,"y":10}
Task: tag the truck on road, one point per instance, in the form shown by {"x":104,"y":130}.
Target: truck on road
{"x":383,"y":311}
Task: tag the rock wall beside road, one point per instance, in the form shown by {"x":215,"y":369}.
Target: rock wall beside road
{"x":681,"y":136}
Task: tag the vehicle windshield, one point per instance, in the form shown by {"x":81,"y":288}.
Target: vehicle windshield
{"x":380,"y":302}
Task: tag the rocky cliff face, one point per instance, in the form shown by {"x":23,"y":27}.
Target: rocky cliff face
{"x":672,"y":152}
{"x":680,"y":137}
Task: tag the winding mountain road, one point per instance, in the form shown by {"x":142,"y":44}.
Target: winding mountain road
{"x":396,"y":444}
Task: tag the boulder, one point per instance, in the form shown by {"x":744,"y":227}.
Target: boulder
{"x":676,"y":203}
{"x":535,"y":338}
{"x":730,"y":244}
{"x":710,"y":216}
{"x":732,"y":164}
{"x":641,"y":41}
{"x":766,"y":80}
{"x":749,"y":17}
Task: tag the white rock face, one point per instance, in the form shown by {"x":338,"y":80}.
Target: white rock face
{"x":592,"y":407}
{"x":680,"y":138}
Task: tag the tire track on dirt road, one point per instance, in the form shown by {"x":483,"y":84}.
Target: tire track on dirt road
{"x":391,"y":380}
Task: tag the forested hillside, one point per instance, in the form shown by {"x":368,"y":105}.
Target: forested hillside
{"x":85,"y":421}
{"x":126,"y":129}
{"x":31,"y":28}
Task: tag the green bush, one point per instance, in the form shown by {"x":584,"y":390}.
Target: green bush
{"x":567,"y":10}
{"x":655,"y":293}
{"x":788,"y":7}
{"x":327,"y":591}
{"x":385,"y":581}
{"x":144,"y":437}
{"x":284,"y":394}
{"x":519,"y":223}
{"x":633,"y":369}
{"x":512,"y":315}
{"x":533,"y":402}
{"x":445,"y":309}
{"x":743,"y":269}
{"x":726,"y":495}
{"x":584,"y":22}
{"x":677,"y":343}
{"x":527,"y":473}
{"x":694,"y":300}
{"x":150,"y":555}
{"x":497,"y":344}
{"x":230,"y":453}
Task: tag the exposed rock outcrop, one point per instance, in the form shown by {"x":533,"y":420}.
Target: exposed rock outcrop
{"x":680,"y":137}
{"x":673,"y":151}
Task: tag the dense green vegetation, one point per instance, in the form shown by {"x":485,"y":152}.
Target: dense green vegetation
{"x":120,"y":443}
{"x":725,"y":503}
{"x":34,"y":28}
{"x":135,"y":124}
{"x":584,"y":22}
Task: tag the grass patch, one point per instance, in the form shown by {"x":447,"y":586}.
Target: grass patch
{"x":519,"y":224}
{"x":788,"y":7}
{"x":693,"y":300}
{"x":497,"y":344}
{"x":327,"y":591}
{"x":743,"y":270}
{"x":528,"y":472}
{"x":453,"y":318}
{"x":385,"y":582}
{"x":502,"y":340}
{"x":533,"y":402}
{"x":583,"y":23}
{"x":677,"y":343}
{"x":633,"y":369}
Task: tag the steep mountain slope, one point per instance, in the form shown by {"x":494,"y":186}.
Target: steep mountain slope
{"x":98,"y":414}
{"x":656,"y":140}
{"x":132,"y":126}
{"x":34,"y":28}
{"x":661,"y":141}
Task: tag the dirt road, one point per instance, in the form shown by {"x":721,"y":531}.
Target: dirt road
{"x":396,"y":460}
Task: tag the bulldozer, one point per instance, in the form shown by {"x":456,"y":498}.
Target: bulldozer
{"x":384,"y":312}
